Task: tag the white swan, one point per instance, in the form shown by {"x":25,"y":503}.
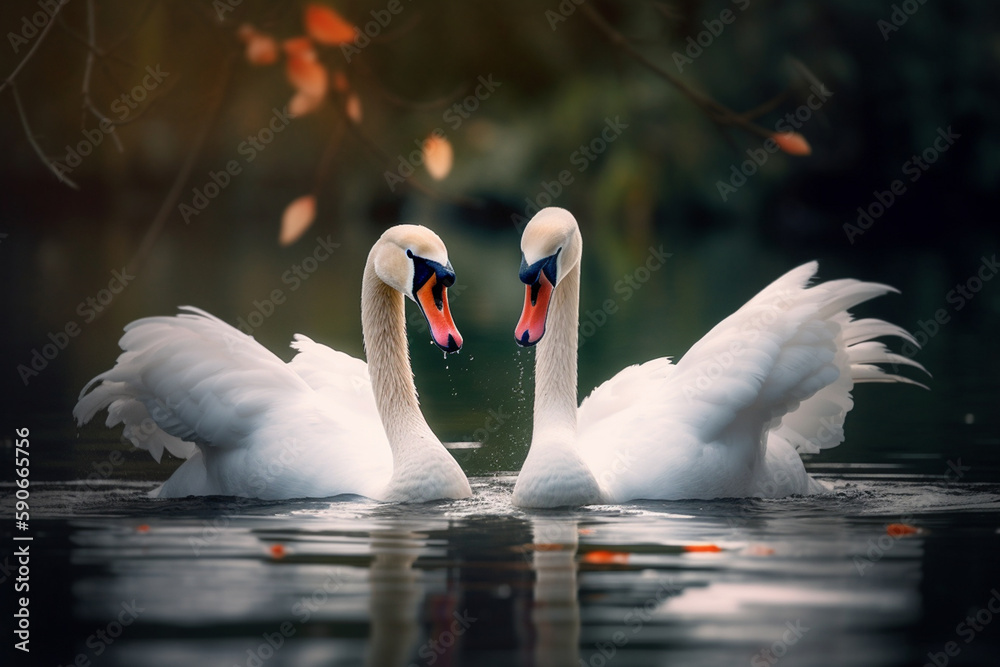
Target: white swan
{"x":730,"y":419}
{"x":321,"y":425}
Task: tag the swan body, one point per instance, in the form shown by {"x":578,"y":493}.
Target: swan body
{"x":730,"y":419}
{"x":322,"y":425}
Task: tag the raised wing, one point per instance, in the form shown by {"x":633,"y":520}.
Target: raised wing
{"x":186,"y":380}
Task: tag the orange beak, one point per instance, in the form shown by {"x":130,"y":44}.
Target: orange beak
{"x":531,"y":327}
{"x":432,"y":297}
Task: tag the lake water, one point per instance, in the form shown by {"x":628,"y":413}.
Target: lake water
{"x":119,"y":579}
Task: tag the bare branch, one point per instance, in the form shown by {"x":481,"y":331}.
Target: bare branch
{"x":717,"y":112}
{"x":34,"y":144}
{"x":411,"y":105}
{"x":88,"y":68}
{"x":41,"y":37}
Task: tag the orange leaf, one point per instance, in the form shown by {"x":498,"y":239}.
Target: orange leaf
{"x":703,"y":548}
{"x":306,"y":76}
{"x":142,"y":528}
{"x":792,"y":143}
{"x":340,"y":83}
{"x":352,"y":107}
{"x":262,"y":50}
{"x":246,"y":32}
{"x":901,"y":529}
{"x":438,"y":156}
{"x":606,"y":557}
{"x":298,"y":217}
{"x":302,"y":104}
{"x":758,"y":550}
{"x":327,"y":26}
{"x":299,"y":47}
{"x":278,"y":551}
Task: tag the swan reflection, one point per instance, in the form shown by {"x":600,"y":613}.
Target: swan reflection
{"x":555,"y":614}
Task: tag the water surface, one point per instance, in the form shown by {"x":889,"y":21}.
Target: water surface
{"x":825,"y":580}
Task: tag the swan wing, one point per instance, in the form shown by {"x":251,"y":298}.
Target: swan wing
{"x":786,"y":361}
{"x":620,"y":393}
{"x":195,"y":378}
{"x":248,"y":423}
{"x":779,"y":370}
{"x":340,"y":378}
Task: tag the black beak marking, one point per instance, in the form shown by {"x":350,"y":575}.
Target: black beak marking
{"x":529,"y":274}
{"x":423,"y":269}
{"x":535,"y":287}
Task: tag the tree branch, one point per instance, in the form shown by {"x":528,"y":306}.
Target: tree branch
{"x":34,"y":144}
{"x":88,"y":68}
{"x":41,"y":37}
{"x":718,"y":113}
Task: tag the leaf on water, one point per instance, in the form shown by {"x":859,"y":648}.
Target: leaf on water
{"x":438,"y":156}
{"x":901,"y":529}
{"x":792,"y":143}
{"x":352,"y":107}
{"x":327,"y":26}
{"x":605,"y":557}
{"x":298,"y":217}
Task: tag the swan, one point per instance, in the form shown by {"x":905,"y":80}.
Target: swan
{"x":729,"y":419}
{"x":322,"y":425}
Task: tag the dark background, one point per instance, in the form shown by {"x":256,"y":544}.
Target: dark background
{"x":655,"y":184}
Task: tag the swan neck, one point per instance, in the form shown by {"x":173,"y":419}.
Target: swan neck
{"x":555,"y":361}
{"x":383,"y":325}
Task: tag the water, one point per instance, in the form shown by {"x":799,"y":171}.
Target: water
{"x":800,"y":581}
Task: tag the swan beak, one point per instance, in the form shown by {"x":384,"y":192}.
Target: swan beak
{"x":432,"y":298}
{"x":531,"y":327}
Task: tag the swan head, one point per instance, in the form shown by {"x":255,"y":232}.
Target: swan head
{"x":413,"y":260}
{"x":551,"y":247}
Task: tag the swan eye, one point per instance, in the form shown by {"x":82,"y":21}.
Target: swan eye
{"x":409,"y":253}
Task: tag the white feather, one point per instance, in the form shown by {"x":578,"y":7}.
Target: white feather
{"x":730,"y":418}
{"x":251,"y":425}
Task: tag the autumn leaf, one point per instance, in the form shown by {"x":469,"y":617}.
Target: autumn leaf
{"x":605,"y":558}
{"x":299,"y":47}
{"x":306,"y":76}
{"x":792,"y":143}
{"x":262,"y":49}
{"x":302,"y":104}
{"x":298,"y":217}
{"x":327,"y":26}
{"x":901,"y":529}
{"x":438,"y":156}
{"x":352,"y":107}
{"x":340,"y":83}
